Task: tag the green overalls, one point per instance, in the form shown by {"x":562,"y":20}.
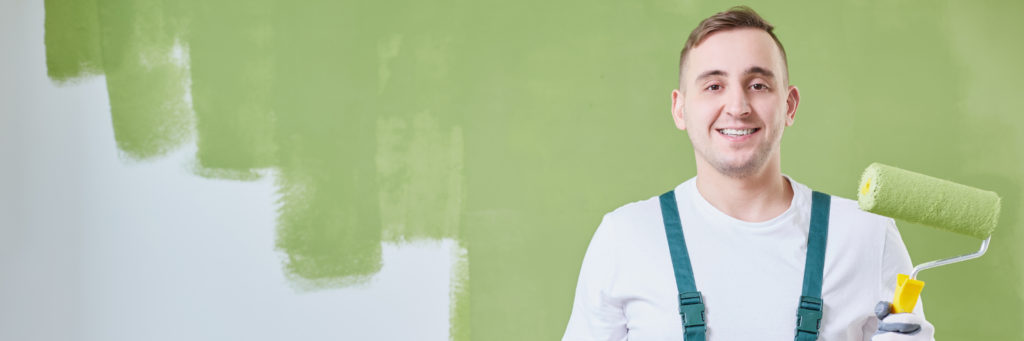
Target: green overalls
{"x":691,"y":305}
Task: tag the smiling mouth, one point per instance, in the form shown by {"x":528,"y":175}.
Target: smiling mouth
{"x":738,"y":132}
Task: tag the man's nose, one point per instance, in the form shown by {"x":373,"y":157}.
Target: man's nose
{"x":737,"y":104}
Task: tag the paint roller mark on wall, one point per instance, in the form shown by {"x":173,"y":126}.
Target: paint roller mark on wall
{"x":146,"y":85}
{"x":459,"y":312}
{"x":328,"y":236}
{"x":419,"y":176}
{"x":387,"y":50}
{"x":234,"y":90}
{"x":72,"y":50}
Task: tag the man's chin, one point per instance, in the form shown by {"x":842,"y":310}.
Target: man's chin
{"x":738,"y":170}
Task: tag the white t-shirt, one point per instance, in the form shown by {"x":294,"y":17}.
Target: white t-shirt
{"x":750,"y":274}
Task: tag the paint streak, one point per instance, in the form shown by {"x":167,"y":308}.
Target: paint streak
{"x":233,"y":85}
{"x":147,"y":84}
{"x":72,"y":40}
{"x":459,"y":310}
{"x":386,"y":51}
{"x":419,"y":174}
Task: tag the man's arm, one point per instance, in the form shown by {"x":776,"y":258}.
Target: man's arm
{"x":596,"y":315}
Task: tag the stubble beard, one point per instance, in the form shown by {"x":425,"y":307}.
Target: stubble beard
{"x":744,"y":169}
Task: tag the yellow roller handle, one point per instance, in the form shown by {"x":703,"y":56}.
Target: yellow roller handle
{"x":907,"y":292}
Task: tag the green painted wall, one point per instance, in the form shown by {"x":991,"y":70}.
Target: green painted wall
{"x":513,"y":126}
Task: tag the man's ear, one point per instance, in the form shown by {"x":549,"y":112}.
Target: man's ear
{"x":677,"y":109}
{"x":792,"y":102}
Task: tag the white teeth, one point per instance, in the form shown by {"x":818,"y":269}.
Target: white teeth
{"x":737,"y":132}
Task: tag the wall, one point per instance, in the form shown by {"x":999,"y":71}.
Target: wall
{"x":435,"y":169}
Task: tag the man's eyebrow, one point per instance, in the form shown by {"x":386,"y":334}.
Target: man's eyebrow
{"x":760,"y":70}
{"x":752,"y":70}
{"x":710,"y":73}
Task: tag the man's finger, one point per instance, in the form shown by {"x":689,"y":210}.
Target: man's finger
{"x":907,"y":324}
{"x":882,"y":309}
{"x":901,"y":328}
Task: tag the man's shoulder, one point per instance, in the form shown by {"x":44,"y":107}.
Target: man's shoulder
{"x":652,"y":205}
{"x":848,"y":209}
{"x":632,"y":228}
{"x":635,"y":216}
{"x":636,"y":209}
{"x":850,"y":222}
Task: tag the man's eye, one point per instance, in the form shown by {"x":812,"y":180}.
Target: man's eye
{"x":714,"y":87}
{"x":759,"y":86}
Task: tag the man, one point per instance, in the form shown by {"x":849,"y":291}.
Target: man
{"x":741,"y":250}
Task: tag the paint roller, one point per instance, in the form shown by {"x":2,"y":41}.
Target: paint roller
{"x":943,"y":204}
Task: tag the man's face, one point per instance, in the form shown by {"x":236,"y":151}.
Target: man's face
{"x":734,"y":101}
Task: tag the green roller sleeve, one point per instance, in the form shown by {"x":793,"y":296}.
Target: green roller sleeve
{"x":918,"y":198}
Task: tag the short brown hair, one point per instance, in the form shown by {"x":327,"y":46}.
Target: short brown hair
{"x":736,"y":17}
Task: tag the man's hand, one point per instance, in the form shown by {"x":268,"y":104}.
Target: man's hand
{"x":901,"y":327}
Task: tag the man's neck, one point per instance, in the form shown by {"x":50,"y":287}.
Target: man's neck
{"x":754,"y":198}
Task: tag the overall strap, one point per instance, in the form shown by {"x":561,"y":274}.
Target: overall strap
{"x":808,"y":315}
{"x":691,"y":305}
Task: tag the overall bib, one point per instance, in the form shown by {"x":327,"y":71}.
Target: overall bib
{"x":691,"y":305}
